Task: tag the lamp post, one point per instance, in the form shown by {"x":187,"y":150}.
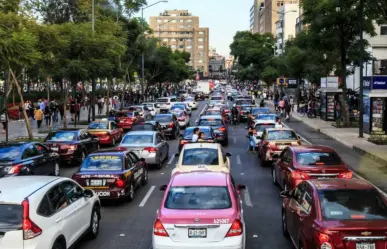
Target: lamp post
{"x":361,"y":90}
{"x":92,"y":102}
{"x":142,"y":55}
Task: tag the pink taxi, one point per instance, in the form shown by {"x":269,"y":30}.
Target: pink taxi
{"x":200,"y":210}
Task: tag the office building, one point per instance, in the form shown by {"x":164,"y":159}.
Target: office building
{"x":254,"y":16}
{"x":216,"y":64}
{"x":180,"y":30}
{"x":286,"y":25}
{"x":229,"y":62}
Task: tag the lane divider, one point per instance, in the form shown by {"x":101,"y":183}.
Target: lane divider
{"x":247,"y":198}
{"x":146,"y":197}
{"x":238,"y":159}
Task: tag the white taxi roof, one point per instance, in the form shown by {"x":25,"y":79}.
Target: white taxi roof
{"x":262,"y":121}
{"x":201,"y":145}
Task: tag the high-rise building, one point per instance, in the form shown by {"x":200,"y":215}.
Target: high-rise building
{"x":229,"y":62}
{"x":180,"y":30}
{"x":286,"y":25}
{"x":254,"y":16}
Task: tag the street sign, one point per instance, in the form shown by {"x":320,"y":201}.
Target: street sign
{"x":281,"y":81}
{"x":291,"y":83}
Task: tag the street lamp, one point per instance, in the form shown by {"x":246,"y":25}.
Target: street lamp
{"x":361,"y":90}
{"x":142,"y":55}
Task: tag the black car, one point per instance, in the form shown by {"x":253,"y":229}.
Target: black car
{"x":113,"y":174}
{"x":169,"y":124}
{"x":72,"y":145}
{"x":186,"y":138}
{"x":200,"y":96}
{"x":27,"y":158}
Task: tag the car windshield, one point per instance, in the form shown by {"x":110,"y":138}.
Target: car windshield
{"x":162,"y":100}
{"x":177,"y":107}
{"x":246,"y":108}
{"x":317,"y":158}
{"x":96,"y":126}
{"x":262,"y":127}
{"x":352,"y":204}
{"x":134,"y":139}
{"x":198,"y":198}
{"x":188,"y":133}
{"x":210,"y":122}
{"x":11,"y":217}
{"x":142,"y":127}
{"x":178,"y":114}
{"x":162,"y":118}
{"x":216,"y":98}
{"x":125,"y":114}
{"x":10,"y":152}
{"x":266,"y":117}
{"x":212,"y":112}
{"x":62,"y":136}
{"x":135,"y":109}
{"x":200,"y":156}
{"x":281,"y":135}
{"x":102,"y":163}
{"x":243,"y":102}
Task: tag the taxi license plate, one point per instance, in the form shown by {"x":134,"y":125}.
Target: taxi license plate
{"x":54,"y":148}
{"x":95,"y":182}
{"x":103,"y":194}
{"x":365,"y":246}
{"x":197,"y":233}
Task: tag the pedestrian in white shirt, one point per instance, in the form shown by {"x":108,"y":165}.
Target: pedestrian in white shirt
{"x":278,"y":123}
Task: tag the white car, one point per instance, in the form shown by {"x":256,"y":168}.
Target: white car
{"x":165,"y":103}
{"x":183,"y":106}
{"x":47,"y":212}
{"x":191,"y":103}
{"x":182,"y":118}
{"x":152,"y":107}
{"x":260,"y":125}
{"x":203,"y":157}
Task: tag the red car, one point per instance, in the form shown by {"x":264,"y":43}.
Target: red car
{"x":335,"y":214}
{"x":108,"y":132}
{"x":126,"y":120}
{"x":298,"y":163}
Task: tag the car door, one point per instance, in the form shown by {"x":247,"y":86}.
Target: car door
{"x":112,"y":130}
{"x":160,"y":146}
{"x":303,"y":212}
{"x":293,"y":208}
{"x":33,"y":160}
{"x":135,"y":177}
{"x":284,"y":165}
{"x":48,"y":159}
{"x":139,"y":165}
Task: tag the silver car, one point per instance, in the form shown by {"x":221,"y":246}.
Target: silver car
{"x":148,"y":145}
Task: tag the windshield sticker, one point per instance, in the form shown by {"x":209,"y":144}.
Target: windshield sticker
{"x":95,"y":158}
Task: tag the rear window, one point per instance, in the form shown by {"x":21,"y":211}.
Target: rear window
{"x":317,"y":158}
{"x":216,"y":98}
{"x":11,"y":217}
{"x":352,"y":205}
{"x":102,"y":162}
{"x":162,"y":118}
{"x":163,"y":100}
{"x":178,"y":114}
{"x":200,"y":156}
{"x":210,"y":122}
{"x":125,"y":114}
{"x":198,"y":198}
{"x":188,"y":133}
{"x":62,"y":136}
{"x":243,"y":102}
{"x":10,"y":153}
{"x":135,"y":109}
{"x":96,"y":126}
{"x":142,"y":127}
{"x":262,"y":127}
{"x":282,"y":135}
{"x":246,"y":108}
{"x":214,"y":112}
{"x":178,"y":107}
{"x":137,"y":139}
{"x":266,"y":117}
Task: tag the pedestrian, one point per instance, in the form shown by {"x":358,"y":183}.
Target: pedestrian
{"x":291,"y":102}
{"x":4,"y":120}
{"x":250,"y":120}
{"x":47,"y":117}
{"x":77,"y":110}
{"x":338,"y":113}
{"x":41,"y":104}
{"x":195,"y":135}
{"x":251,"y":141}
{"x":53,"y":106}
{"x":72,"y":110}
{"x":281,"y":106}
{"x":288,"y":109}
{"x":38,"y":116}
{"x":262,"y":103}
{"x":61,"y":109}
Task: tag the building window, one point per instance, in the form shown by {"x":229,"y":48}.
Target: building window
{"x":189,"y":20}
{"x":383,"y":30}
{"x":173,"y":47}
{"x":173,"y":21}
{"x":173,"y":40}
{"x":181,"y":20}
{"x":188,"y":47}
{"x":200,"y":40}
{"x":200,"y":46}
{"x":165,"y":39}
{"x":159,"y":21}
{"x":201,"y":53}
{"x":165,"y":20}
{"x":189,"y":26}
{"x":181,"y":46}
{"x":182,"y":26}
{"x":201,"y":33}
{"x":200,"y":61}
{"x":173,"y":15}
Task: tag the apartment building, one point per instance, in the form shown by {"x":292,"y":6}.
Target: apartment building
{"x":254,"y":16}
{"x":180,"y":30}
{"x":286,"y":25}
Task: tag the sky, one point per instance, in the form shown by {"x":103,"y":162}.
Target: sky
{"x":223,"y":17}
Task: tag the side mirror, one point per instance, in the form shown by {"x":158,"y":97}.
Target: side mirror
{"x":285,"y":194}
{"x":241,"y":187}
{"x":228,"y":154}
{"x":142,"y":159}
{"x":163,"y":187}
{"x":88,"y":193}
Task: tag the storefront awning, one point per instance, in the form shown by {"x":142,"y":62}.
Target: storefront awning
{"x":378,"y":94}
{"x":331,"y":90}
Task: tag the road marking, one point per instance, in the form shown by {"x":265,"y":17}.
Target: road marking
{"x":162,"y":173}
{"x":238,"y":159}
{"x":171,"y":160}
{"x":302,"y":138}
{"x":234,"y":138}
{"x":255,"y":236}
{"x":122,"y":235}
{"x":146,"y":197}
{"x":242,"y":174}
{"x":247,"y":198}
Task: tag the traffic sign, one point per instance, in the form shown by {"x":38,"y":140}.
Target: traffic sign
{"x":281,"y":81}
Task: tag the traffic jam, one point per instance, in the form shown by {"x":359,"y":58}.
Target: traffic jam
{"x":203,"y":203}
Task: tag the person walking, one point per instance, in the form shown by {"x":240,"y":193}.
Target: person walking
{"x":291,"y":102}
{"x":53,"y":106}
{"x":281,"y":106}
{"x":72,"y":110}
{"x":38,"y":116}
{"x":77,"y":110}
{"x":4,"y":120}
{"x":47,"y":117}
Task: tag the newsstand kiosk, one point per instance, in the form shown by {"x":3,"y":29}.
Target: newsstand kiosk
{"x":378,"y":96}
{"x":327,"y":103}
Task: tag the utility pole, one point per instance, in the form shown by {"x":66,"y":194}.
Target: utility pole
{"x":92,"y":102}
{"x":6,"y":83}
{"x":361,"y":90}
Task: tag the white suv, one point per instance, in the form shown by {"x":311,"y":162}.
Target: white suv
{"x":165,"y":103}
{"x":47,"y":212}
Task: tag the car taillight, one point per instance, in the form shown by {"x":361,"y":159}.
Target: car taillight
{"x":347,"y":175}
{"x":120,"y":183}
{"x":30,"y":229}
{"x":222,"y":129}
{"x":171,"y":124}
{"x":236,"y":229}
{"x":299,"y":175}
{"x":159,"y":230}
{"x":15,"y":169}
{"x":183,"y":142}
{"x":121,"y":148}
{"x":151,"y":149}
{"x":324,"y":241}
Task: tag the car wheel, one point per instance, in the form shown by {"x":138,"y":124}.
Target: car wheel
{"x":284,"y":224}
{"x":58,"y":245}
{"x":159,"y":165}
{"x":144,"y":180}
{"x":56,"y":169}
{"x":131,"y":193}
{"x":94,"y":224}
{"x":274,"y":177}
{"x":225,"y":143}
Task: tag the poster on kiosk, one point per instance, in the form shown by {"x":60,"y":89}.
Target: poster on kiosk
{"x":378,"y":97}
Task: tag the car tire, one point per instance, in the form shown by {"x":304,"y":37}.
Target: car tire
{"x":144,"y":180}
{"x":56,"y":169}
{"x":225,"y":143}
{"x":94,"y":223}
{"x":159,"y":165}
{"x":58,"y":245}
{"x":131,"y":193}
{"x":284,"y":225}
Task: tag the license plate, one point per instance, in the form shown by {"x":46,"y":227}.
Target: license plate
{"x":365,"y":246}
{"x":54,"y":149}
{"x":197,"y":233}
{"x":103,"y":194}
{"x":95,"y":182}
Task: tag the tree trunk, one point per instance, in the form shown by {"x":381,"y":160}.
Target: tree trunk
{"x":109,"y":84}
{"x":28,"y":124}
{"x":48,"y":89}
